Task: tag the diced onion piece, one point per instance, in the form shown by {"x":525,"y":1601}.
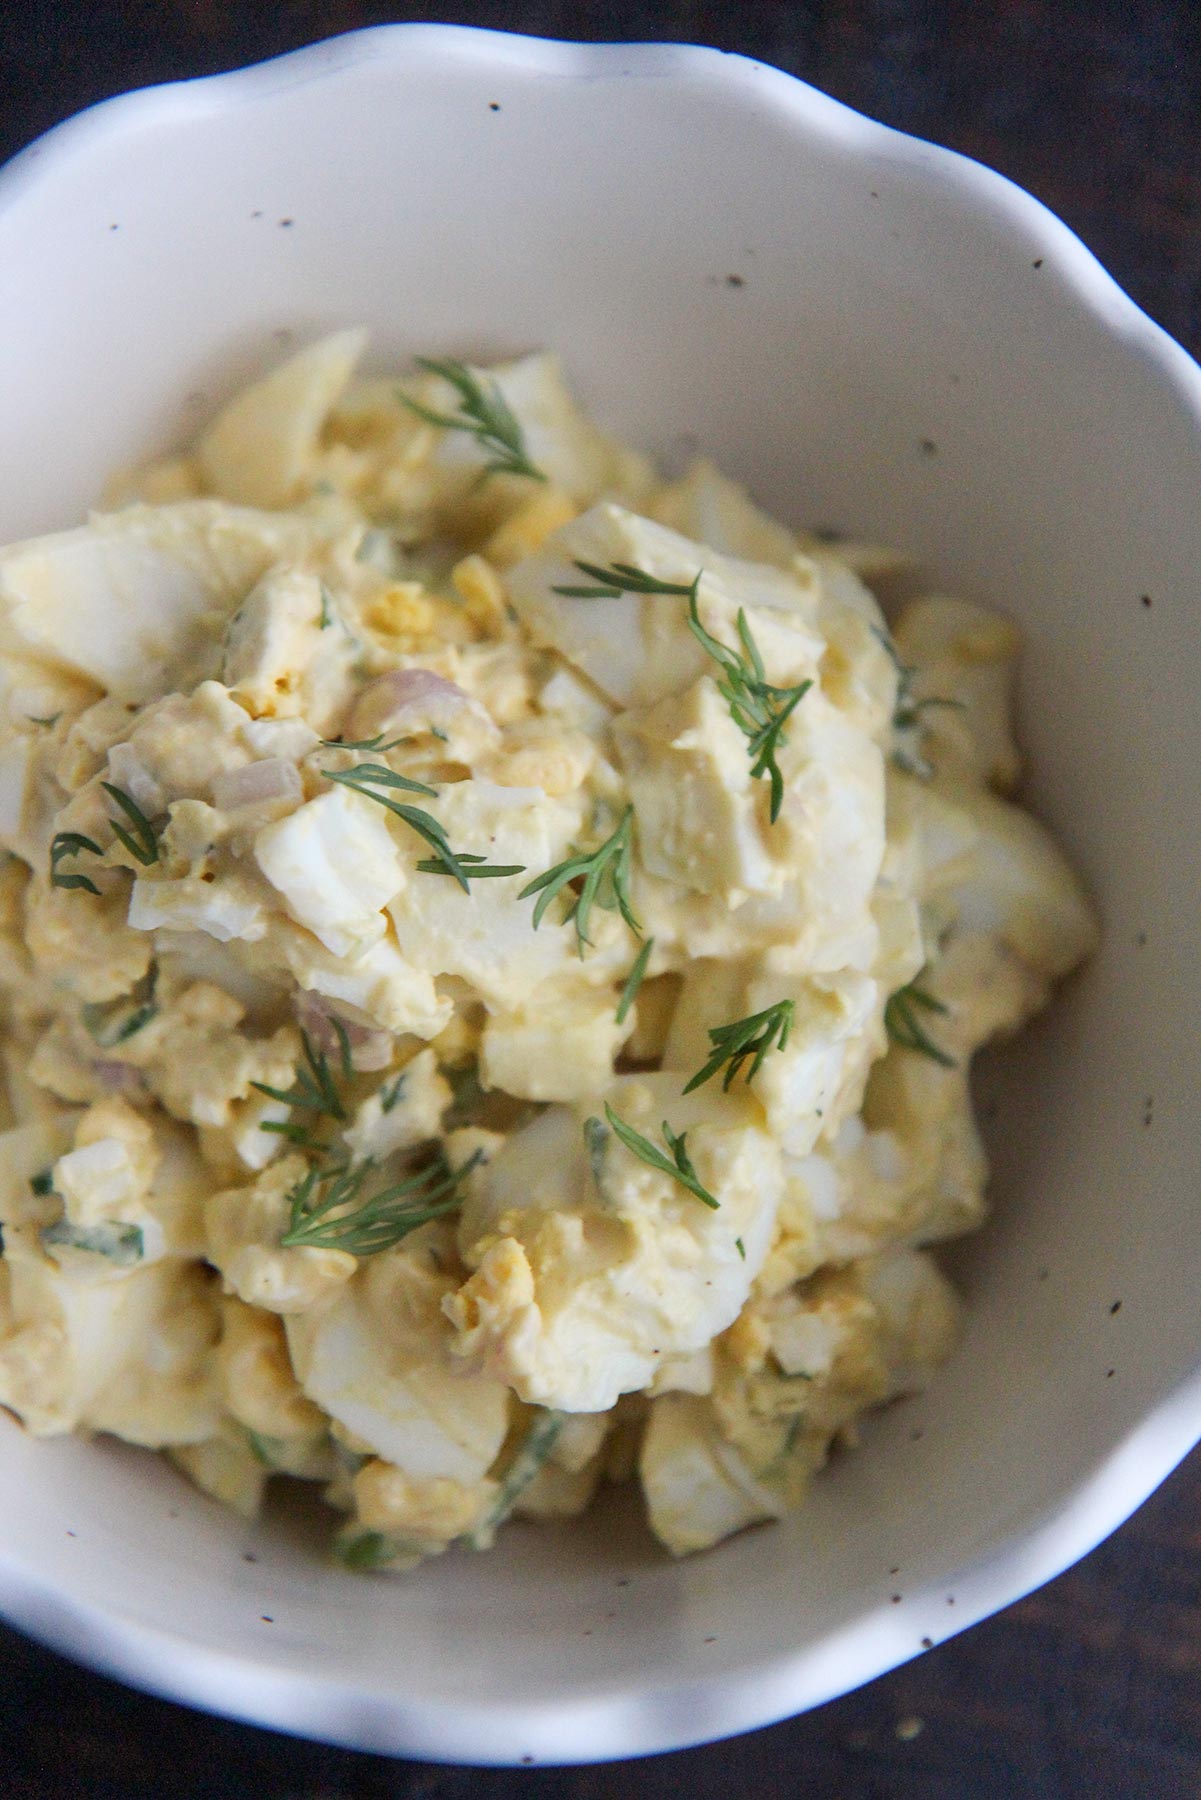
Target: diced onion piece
{"x":256,"y":783}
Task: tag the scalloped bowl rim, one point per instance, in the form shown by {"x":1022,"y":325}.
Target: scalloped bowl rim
{"x":605,"y":1727}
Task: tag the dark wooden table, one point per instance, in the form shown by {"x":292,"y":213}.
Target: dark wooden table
{"x":1092,"y":1687}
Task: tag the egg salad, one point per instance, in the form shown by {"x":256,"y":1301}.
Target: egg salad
{"x":492,"y":946}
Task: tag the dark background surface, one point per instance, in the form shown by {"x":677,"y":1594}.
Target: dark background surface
{"x":1092,"y":1687}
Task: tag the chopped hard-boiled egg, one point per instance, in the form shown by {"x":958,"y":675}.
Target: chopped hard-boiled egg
{"x":492,"y":946}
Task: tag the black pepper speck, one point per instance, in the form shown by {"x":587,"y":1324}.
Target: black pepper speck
{"x":286,"y":223}
{"x":1037,"y":263}
{"x":927,"y":1643}
{"x":735,"y":281}
{"x":494,"y":106}
{"x":1146,"y":599}
{"x":929,"y":447}
{"x":1115,"y":1308}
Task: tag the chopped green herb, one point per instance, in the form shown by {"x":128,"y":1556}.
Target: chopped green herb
{"x":313,"y":1089}
{"x":529,"y":1457}
{"x":740,"y":1247}
{"x":120,"y":1244}
{"x":678,"y":1165}
{"x":377,"y":775}
{"x":141,"y":842}
{"x":907,"y":712}
{"x":48,"y":722}
{"x":605,"y":874}
{"x":298,"y":1135}
{"x":109,"y":1026}
{"x":484,"y":414}
{"x":72,"y":843}
{"x":389,"y":1096}
{"x":364,"y":1551}
{"x":42,"y":1183}
{"x":622,"y":578}
{"x":260,"y":1447}
{"x":368,"y":778}
{"x":475,"y":868}
{"x":376,"y":743}
{"x":328,"y":608}
{"x":596,"y":1142}
{"x":467,"y":1095}
{"x":905,"y":1027}
{"x":758,"y":709}
{"x":439,"y":734}
{"x":745,"y":1040}
{"x":634,"y":981}
{"x":330,"y":1212}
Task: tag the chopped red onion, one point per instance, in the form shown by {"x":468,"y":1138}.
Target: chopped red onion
{"x":407,"y":700}
{"x":256,"y":783}
{"x":119,"y":1077}
{"x":369,"y":1049}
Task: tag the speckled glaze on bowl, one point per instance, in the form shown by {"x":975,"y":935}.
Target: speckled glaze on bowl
{"x":877,"y":335}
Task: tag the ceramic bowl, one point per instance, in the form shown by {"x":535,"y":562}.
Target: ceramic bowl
{"x":875,"y":335}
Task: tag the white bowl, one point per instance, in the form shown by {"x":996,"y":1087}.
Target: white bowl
{"x":876,"y":335}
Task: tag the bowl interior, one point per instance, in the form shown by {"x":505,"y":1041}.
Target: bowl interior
{"x":872,"y":336}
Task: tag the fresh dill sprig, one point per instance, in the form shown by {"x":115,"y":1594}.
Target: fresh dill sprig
{"x":745,"y":1040}
{"x":759,"y":709}
{"x":678,"y":1165}
{"x":484,"y":414}
{"x":72,"y":843}
{"x":49,"y":721}
{"x":605,"y":873}
{"x":369,"y":778}
{"x":141,"y":842}
{"x":907,"y":712}
{"x":620,"y":578}
{"x":375,"y":743}
{"x":476,"y":868}
{"x":633,"y":981}
{"x":313,"y":1090}
{"x":328,"y":609}
{"x":329,"y":1210}
{"x":905,"y":1027}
